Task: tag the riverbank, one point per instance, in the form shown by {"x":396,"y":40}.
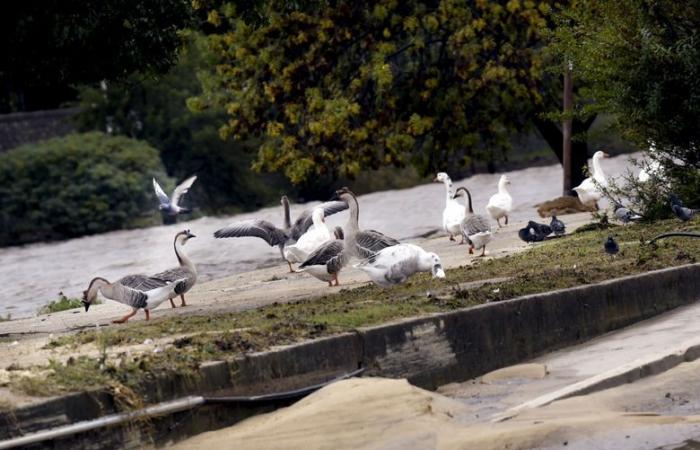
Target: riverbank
{"x":271,"y":308}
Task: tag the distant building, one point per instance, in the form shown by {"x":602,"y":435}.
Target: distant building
{"x":25,"y":127}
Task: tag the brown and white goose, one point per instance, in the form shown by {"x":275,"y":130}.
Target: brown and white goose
{"x":275,"y":236}
{"x":361,"y":243}
{"x":136,"y":298}
{"x":186,"y":271}
{"x":475,"y":227}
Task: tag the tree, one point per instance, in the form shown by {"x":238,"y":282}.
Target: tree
{"x":153,"y":109}
{"x":75,"y":185}
{"x":640,"y":60}
{"x":337,"y":87}
{"x":47,"y":47}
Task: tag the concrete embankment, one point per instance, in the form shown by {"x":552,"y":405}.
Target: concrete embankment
{"x":428,"y":351}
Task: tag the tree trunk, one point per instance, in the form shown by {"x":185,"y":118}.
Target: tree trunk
{"x":579,"y":147}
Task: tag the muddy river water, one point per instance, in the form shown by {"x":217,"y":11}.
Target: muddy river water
{"x":32,"y":275}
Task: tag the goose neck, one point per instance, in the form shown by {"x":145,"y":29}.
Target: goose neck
{"x":287,"y":218}
{"x":182,"y":257}
{"x":468,"y":204}
{"x":502,"y":187}
{"x":449,"y":189}
{"x":597,"y":168}
{"x":354,"y":217}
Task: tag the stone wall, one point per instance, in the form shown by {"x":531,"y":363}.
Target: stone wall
{"x":25,"y":127}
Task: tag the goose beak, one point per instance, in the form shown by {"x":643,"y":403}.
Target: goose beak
{"x":190,"y":235}
{"x":86,"y":305}
{"x":435,"y":180}
{"x":605,"y":155}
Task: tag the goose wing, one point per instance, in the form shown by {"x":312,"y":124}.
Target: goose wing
{"x":304,"y":221}
{"x":162,"y":196}
{"x":141,"y":282}
{"x":371,"y":241}
{"x":254,"y":228}
{"x":475,"y":224}
{"x":171,"y":275}
{"x":324,"y":254}
{"x":182,"y":189}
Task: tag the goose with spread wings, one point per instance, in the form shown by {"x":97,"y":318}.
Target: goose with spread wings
{"x":169,"y":205}
{"x":279,"y":237}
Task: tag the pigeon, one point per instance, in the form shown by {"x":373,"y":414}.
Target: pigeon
{"x":170,"y":205}
{"x":611,"y":247}
{"x":624,"y":215}
{"x":540,"y":228}
{"x":683,"y":213}
{"x":532,"y":232}
{"x":557,"y":226}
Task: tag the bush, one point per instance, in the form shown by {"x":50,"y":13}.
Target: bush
{"x":76,"y":185}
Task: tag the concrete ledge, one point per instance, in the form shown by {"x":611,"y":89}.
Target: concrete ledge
{"x":627,"y":373}
{"x":429,"y":351}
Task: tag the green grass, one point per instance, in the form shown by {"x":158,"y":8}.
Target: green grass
{"x":62,"y":304}
{"x":574,"y":260}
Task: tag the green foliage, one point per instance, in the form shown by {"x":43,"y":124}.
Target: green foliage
{"x":75,"y":185}
{"x":50,"y":46}
{"x":154,"y":109}
{"x":641,"y":61}
{"x":332,"y":89}
{"x":62,"y":304}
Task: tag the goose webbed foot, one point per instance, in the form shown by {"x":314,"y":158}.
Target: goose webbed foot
{"x":483,"y":252}
{"x":290,"y":267}
{"x":182,"y":297}
{"x":127,"y":317}
{"x":471,"y":249}
{"x":172,"y":303}
{"x":335,"y":277}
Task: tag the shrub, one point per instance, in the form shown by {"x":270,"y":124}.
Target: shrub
{"x":62,"y":304}
{"x":76,"y":185}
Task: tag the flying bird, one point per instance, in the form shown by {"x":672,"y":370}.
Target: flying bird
{"x":170,"y":205}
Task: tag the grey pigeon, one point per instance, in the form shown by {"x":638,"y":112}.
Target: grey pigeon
{"x":611,"y":247}
{"x":683,"y":213}
{"x":624,"y":215}
{"x":170,"y":205}
{"x":557,"y":226}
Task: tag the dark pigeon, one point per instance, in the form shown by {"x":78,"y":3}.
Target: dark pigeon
{"x":532,"y":233}
{"x":611,"y":247}
{"x":557,"y":226}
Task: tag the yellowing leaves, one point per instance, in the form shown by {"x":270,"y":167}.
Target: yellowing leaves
{"x":418,"y":125}
{"x":410,"y":23}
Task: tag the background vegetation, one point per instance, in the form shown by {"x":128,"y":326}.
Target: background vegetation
{"x":76,"y":185}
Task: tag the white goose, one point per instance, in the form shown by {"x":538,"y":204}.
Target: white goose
{"x":501,"y":203}
{"x":137,"y":299}
{"x":393,"y":265}
{"x":314,"y":237}
{"x":453,"y":213}
{"x":589,"y":190}
{"x":653,"y":169}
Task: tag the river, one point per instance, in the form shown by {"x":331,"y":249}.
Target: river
{"x":34,"y":274}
